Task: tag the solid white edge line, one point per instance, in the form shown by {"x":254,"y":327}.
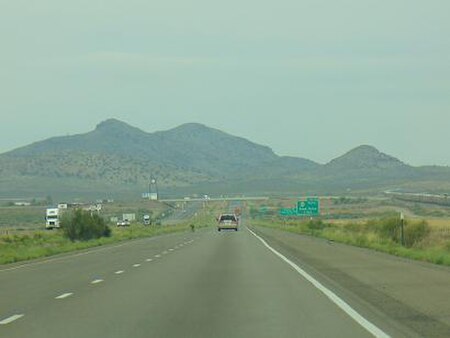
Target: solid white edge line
{"x":374,"y":330}
{"x":64,"y":295}
{"x":11,"y":319}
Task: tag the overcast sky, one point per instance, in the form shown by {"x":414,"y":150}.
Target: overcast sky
{"x":308,"y":78}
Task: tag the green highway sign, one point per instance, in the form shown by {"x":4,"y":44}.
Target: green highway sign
{"x":309,"y":207}
{"x":288,"y":212}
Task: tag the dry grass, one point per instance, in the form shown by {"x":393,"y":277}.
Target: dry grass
{"x":24,"y":245}
{"x":439,"y":223}
{"x":433,"y":245}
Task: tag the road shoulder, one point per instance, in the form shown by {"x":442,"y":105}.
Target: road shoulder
{"x":407,"y":296}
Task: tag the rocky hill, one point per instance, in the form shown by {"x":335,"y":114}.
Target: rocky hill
{"x":365,"y":157}
{"x":118,"y":157}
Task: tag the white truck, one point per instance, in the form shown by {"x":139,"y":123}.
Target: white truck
{"x":53,"y":218}
{"x":147,"y":220}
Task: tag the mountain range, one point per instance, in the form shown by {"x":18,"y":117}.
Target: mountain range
{"x":116,"y":158}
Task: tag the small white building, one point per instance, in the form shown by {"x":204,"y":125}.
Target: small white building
{"x":22,"y":204}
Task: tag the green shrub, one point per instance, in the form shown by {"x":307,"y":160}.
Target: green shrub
{"x":361,"y":240}
{"x":415,"y":232}
{"x":388,"y":228}
{"x":447,"y":246}
{"x":316,"y":225}
{"x":354,"y":227}
{"x":37,"y":236}
{"x":7,"y":239}
{"x":83,"y":226}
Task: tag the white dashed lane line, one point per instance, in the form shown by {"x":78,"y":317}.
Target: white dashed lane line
{"x":96,"y":281}
{"x":64,"y":295}
{"x":11,"y":319}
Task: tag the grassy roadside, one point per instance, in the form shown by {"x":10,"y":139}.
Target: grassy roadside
{"x":36,"y":244}
{"x":423,"y":243}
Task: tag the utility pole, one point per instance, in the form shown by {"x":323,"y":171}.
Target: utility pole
{"x":152,"y":188}
{"x":402,"y":225}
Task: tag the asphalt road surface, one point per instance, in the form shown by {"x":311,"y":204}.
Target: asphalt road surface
{"x":183,"y":214}
{"x":201,"y":284}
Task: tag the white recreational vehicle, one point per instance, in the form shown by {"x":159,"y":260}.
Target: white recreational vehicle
{"x":147,"y":220}
{"x":53,"y":218}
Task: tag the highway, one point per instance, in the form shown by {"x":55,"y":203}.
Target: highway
{"x":183,"y":214}
{"x":200,"y":284}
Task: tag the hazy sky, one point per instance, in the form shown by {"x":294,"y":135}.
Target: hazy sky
{"x":308,"y":78}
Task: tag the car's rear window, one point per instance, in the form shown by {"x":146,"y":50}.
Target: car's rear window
{"x":227,"y":218}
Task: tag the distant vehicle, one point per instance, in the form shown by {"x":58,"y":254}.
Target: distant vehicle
{"x":147,"y":220}
{"x":123,"y":223}
{"x":53,"y":218}
{"x":227,"y":221}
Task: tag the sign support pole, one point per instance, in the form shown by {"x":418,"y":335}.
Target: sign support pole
{"x":402,"y":225}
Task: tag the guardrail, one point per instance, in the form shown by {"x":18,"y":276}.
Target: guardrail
{"x":421,"y":198}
